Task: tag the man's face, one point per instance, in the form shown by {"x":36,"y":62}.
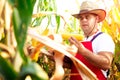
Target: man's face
{"x":88,"y":21}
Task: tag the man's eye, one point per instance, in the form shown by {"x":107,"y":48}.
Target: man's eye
{"x":87,"y":17}
{"x":81,"y":18}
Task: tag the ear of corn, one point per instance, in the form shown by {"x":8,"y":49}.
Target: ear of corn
{"x":68,"y":35}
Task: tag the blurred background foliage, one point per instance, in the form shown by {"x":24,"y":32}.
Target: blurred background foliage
{"x":20,"y":56}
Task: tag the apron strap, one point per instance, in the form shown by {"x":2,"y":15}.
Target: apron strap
{"x":96,"y":36}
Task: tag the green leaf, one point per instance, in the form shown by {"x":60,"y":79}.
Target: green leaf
{"x":12,"y":2}
{"x":58,"y":23}
{"x":20,"y":32}
{"x":34,"y":70}
{"x":22,"y":15}
{"x":6,"y":70}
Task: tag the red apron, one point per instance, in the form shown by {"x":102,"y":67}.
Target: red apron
{"x":96,"y":70}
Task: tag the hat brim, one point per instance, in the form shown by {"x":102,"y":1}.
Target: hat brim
{"x":100,"y":12}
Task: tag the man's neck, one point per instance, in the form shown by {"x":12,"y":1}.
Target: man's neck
{"x":92,"y":33}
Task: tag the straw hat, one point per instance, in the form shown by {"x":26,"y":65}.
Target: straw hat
{"x":91,"y":7}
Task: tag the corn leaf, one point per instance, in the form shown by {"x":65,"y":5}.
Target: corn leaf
{"x":34,"y":70}
{"x":22,"y":14}
{"x":6,"y":70}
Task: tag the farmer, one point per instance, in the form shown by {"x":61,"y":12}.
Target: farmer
{"x":96,"y":51}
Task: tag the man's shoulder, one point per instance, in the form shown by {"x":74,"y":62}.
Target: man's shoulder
{"x":104,"y":37}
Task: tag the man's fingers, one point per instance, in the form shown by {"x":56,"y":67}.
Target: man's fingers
{"x":74,"y":41}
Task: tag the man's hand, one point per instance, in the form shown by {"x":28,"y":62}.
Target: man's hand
{"x":78,"y":44}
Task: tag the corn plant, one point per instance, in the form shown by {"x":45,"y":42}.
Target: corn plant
{"x":15,"y":18}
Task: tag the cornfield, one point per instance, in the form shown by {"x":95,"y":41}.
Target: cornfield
{"x":23,"y":58}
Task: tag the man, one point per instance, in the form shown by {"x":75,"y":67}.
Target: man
{"x":96,"y":51}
